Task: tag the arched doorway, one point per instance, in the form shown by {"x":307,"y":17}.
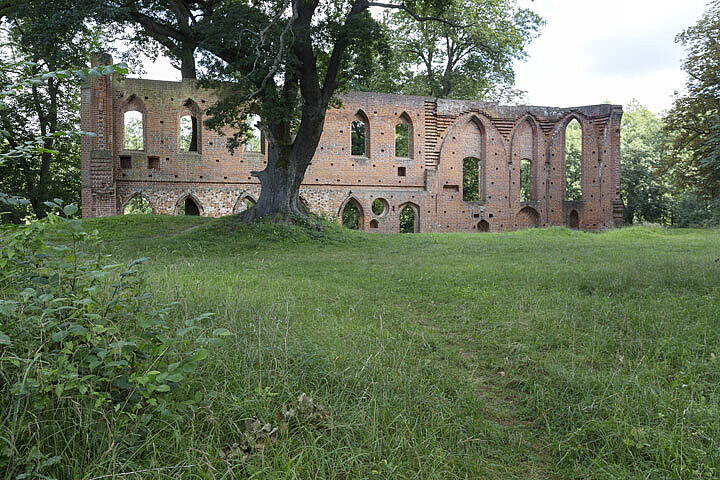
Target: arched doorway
{"x":189,"y":207}
{"x":409,"y":219}
{"x":483,"y":226}
{"x":352,"y":215}
{"x":574,"y":219}
{"x":137,"y":205}
{"x":527,"y":217}
{"x":244,"y":203}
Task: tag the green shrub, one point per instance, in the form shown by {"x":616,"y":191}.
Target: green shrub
{"x":692,"y":210}
{"x":87,"y":359}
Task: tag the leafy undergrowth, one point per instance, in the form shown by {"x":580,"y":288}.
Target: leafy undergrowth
{"x":537,"y":354}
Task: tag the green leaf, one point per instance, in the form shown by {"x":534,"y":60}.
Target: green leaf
{"x":7,"y":307}
{"x":4,"y":339}
{"x":78,"y":330}
{"x":59,"y":336}
{"x":201,"y":355}
{"x":175,"y":377}
{"x":183,"y":331}
{"x":70,"y":210}
{"x":222,"y":332}
{"x":163,"y":388}
{"x":49,"y":462}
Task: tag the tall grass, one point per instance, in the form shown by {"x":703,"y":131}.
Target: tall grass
{"x":536,"y":354}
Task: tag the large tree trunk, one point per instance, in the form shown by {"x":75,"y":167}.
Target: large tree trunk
{"x":286,"y":166}
{"x":187,"y":63}
{"x":278,"y":193}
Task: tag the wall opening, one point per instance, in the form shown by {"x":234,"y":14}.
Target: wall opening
{"x":402,"y":140}
{"x":244,"y":204}
{"x":133,"y":131}
{"x":373,"y":223}
{"x":574,"y":219}
{"x":253,"y":136}
{"x":408,"y":220}
{"x":380,"y":206}
{"x":137,"y":205}
{"x":189,"y":207}
{"x":360,"y":135}
{"x":303,"y":205}
{"x":525,"y":180}
{"x":153,"y":163}
{"x":188,"y":134}
{"x":527,"y":217}
{"x":352,"y":216}
{"x":573,"y":161}
{"x":483,"y":226}
{"x":125,"y":161}
{"x":471,"y":179}
{"x":404,"y":137}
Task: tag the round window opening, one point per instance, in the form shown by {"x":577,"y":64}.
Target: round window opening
{"x":380,"y":206}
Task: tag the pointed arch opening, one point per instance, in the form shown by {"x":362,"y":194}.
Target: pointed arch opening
{"x":133,"y":124}
{"x":254,"y":141}
{"x":303,"y":204}
{"x":189,"y":135}
{"x":409,"y":218}
{"x":573,"y":160}
{"x":360,"y":135}
{"x":352,"y":215}
{"x":137,"y":205}
{"x":244,"y":203}
{"x":525,"y":180}
{"x":189,"y":205}
{"x":133,"y":130}
{"x":404,"y":137}
{"x":470,"y":132}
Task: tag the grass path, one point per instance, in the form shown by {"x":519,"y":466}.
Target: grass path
{"x":536,"y":354}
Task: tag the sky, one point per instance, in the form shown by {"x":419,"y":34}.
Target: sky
{"x":591,"y":52}
{"x":618,"y":50}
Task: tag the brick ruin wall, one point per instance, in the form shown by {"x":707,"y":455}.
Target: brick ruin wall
{"x":430,"y":180}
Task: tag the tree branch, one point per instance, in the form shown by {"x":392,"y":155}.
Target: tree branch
{"x":419,"y":18}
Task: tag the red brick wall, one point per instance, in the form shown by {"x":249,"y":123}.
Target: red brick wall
{"x":443,"y":133}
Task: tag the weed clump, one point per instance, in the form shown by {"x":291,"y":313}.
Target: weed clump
{"x":89,"y":364}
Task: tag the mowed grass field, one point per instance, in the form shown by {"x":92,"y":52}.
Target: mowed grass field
{"x":545,"y":353}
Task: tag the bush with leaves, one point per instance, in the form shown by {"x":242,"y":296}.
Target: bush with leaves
{"x":83,"y":346}
{"x":694,"y":210}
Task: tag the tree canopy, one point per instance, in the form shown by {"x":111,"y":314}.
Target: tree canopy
{"x":644,"y":189}
{"x":693,"y":123}
{"x":40,"y":36}
{"x":473,"y":62}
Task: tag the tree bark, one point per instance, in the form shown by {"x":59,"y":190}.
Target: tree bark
{"x":187,"y":63}
{"x":287,"y":163}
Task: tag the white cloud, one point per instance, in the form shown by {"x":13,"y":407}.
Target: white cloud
{"x":613,"y":50}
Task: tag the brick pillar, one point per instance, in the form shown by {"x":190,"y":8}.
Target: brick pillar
{"x":98,"y":183}
{"x":616,"y":203}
